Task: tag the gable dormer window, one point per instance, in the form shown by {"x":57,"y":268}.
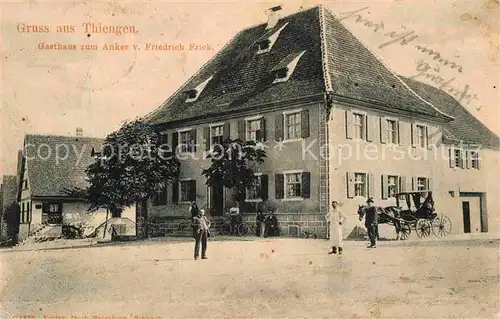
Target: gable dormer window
{"x":285,"y":68}
{"x":264,"y":46}
{"x":267,"y":41}
{"x":194,"y":94}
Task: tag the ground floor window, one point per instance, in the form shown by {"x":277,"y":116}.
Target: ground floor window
{"x":254,"y":191}
{"x":360,"y":185}
{"x":187,"y":190}
{"x":293,"y":185}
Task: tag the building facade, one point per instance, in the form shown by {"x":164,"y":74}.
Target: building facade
{"x":50,"y":167}
{"x":336,"y":124}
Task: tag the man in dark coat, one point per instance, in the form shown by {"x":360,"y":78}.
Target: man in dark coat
{"x":371,"y":222}
{"x":194,"y":210}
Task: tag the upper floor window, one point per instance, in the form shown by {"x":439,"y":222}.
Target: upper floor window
{"x":474,"y":160}
{"x":25,"y":184}
{"x":392,"y":131}
{"x":187,"y":141}
{"x":421,"y":136}
{"x":217,"y":134}
{"x":254,"y":132}
{"x":359,"y":125}
{"x":293,"y":125}
{"x":360,"y":185}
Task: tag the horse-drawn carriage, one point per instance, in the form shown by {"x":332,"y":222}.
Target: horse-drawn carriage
{"x":410,"y":213}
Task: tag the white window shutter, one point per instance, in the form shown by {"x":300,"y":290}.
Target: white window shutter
{"x":429,"y":183}
{"x":350,"y":184}
{"x":413,"y":183}
{"x":468,"y":159}
{"x":348,"y":124}
{"x":385,"y":193}
{"x":398,"y":133}
{"x":402,"y":182}
{"x":370,"y":128}
{"x":413,"y":135}
{"x":371,"y":185}
{"x":383,"y":130}
{"x":452,"y":156}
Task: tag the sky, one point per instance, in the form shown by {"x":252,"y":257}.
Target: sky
{"x":54,"y":92}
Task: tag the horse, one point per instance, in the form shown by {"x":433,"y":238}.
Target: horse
{"x":388,"y":215}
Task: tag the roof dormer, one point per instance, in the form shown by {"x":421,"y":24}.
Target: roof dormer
{"x":285,"y":68}
{"x":194,"y":93}
{"x":267,"y":41}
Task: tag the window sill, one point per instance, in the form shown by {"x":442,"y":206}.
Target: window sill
{"x":256,"y":200}
{"x":184,"y":203}
{"x":291,"y":140}
{"x":293,"y":199}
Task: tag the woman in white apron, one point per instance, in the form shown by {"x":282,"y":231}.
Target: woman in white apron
{"x":335,"y":218}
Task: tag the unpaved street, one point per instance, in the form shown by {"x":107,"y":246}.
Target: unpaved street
{"x":271,"y":278}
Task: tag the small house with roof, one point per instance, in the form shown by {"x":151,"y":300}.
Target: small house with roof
{"x":50,"y":166}
{"x":336,"y":124}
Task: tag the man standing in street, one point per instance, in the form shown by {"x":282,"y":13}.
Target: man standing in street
{"x":193,"y":210}
{"x":371,"y":222}
{"x":202,"y":229}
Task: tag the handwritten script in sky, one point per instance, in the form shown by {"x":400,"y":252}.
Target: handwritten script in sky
{"x":424,"y":68}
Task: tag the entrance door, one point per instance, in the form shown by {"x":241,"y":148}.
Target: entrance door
{"x":466,"y":216}
{"x":474,"y":218}
{"x":217,"y":200}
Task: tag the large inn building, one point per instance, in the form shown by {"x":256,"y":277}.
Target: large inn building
{"x":312,"y":93}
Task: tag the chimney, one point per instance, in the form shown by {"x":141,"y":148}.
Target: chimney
{"x":79,"y":132}
{"x":273,"y":16}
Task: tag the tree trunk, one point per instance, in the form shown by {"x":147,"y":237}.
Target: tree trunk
{"x":106,"y":223}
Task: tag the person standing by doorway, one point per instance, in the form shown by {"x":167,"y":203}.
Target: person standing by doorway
{"x":335,"y":218}
{"x":202,"y":230}
{"x":371,"y":222}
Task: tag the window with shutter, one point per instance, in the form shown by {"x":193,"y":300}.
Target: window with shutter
{"x":293,"y":125}
{"x":264,"y":181}
{"x":187,"y":190}
{"x":293,"y":185}
{"x":359,"y":126}
{"x":175,"y":142}
{"x":413,"y":135}
{"x":254,"y":191}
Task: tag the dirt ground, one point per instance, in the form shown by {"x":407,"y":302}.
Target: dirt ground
{"x":264,"y":278}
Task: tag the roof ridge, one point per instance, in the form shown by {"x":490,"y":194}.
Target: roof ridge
{"x":324,"y":49}
{"x":387,"y":67}
{"x":65,"y":136}
{"x":458,"y":103}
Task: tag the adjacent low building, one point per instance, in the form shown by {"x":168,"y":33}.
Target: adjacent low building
{"x":51,"y":167}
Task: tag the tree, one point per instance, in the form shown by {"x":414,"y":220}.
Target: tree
{"x":133,"y":166}
{"x":233,"y":163}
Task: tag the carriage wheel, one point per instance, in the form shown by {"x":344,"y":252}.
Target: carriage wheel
{"x":226,"y":229}
{"x":405,"y":231}
{"x":243,"y":229}
{"x":441,"y":226}
{"x":423,"y":228}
